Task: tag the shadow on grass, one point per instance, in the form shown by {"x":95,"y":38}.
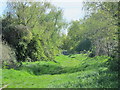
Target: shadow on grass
{"x":38,"y":69}
{"x":52,"y":69}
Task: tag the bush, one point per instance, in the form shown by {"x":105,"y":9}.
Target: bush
{"x":84,"y":45}
{"x":16,"y":33}
{"x":8,"y":56}
{"x":19,"y":37}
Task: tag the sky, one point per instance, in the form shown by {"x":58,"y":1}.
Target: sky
{"x":71,"y":10}
{"x":2,"y":6}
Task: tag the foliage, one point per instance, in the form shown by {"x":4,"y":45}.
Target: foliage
{"x":8,"y":59}
{"x":108,"y":35}
{"x":25,"y":27}
{"x":36,"y":51}
{"x":99,"y":27}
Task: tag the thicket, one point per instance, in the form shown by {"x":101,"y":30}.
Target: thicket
{"x":33,"y":30}
{"x":96,"y":32}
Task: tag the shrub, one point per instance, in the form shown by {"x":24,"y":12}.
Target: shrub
{"x":8,"y":56}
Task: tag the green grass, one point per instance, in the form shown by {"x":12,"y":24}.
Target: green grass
{"x":76,"y":71}
{"x":0,"y":77}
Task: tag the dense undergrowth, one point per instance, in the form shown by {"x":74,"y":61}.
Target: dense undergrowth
{"x":72,"y":71}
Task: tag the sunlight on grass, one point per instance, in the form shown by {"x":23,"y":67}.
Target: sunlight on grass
{"x":77,"y":72}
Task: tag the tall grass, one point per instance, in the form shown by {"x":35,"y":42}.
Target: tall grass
{"x":78,"y":72}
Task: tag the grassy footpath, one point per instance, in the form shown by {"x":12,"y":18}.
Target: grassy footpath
{"x":76,"y":71}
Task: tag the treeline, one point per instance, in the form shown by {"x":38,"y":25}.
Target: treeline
{"x":97,"y":32}
{"x":33,"y":30}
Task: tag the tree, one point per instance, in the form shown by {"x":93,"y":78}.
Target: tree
{"x":102,"y":23}
{"x":42,"y":22}
{"x":99,"y":27}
